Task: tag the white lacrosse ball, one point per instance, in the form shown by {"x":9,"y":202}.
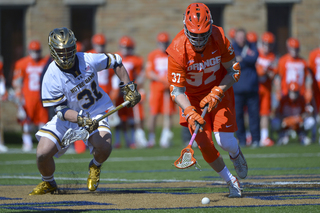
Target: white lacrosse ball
{"x":205,"y":200}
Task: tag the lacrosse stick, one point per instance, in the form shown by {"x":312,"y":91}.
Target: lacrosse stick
{"x":73,"y":135}
{"x":186,"y":158}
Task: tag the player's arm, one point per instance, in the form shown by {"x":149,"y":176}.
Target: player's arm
{"x":176,"y":78}
{"x":217,"y":92}
{"x":128,"y":88}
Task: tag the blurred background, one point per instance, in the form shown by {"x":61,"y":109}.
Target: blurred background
{"x":26,"y":20}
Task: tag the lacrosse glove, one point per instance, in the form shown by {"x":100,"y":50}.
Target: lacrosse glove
{"x":213,"y":98}
{"x":87,"y":122}
{"x":192,"y":117}
{"x":130,"y":93}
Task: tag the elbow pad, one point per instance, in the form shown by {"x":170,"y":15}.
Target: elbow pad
{"x":175,"y":91}
{"x":235,"y":71}
{"x":114,"y":60}
{"x":60,"y":111}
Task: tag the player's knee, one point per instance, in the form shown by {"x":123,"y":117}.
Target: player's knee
{"x":226,"y":141}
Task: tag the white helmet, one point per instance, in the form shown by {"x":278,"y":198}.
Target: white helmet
{"x":63,"y":48}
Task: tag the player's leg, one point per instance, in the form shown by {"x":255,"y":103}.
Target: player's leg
{"x":265,"y":109}
{"x":228,"y":142}
{"x":214,"y":159}
{"x":101,"y":142}
{"x":155,"y":105}
{"x":254,"y":118}
{"x":166,"y":134}
{"x":241,"y":132}
{"x":45,"y":151}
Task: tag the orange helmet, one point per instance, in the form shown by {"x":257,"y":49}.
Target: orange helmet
{"x":197,"y":24}
{"x":99,"y":39}
{"x":163,"y":37}
{"x":252,"y":37}
{"x":126,"y":41}
{"x":35,"y":45}
{"x":232,"y":33}
{"x":293,"y":42}
{"x":294,"y":86}
{"x":268,"y":37}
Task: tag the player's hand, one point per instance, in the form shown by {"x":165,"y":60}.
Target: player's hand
{"x":213,"y":98}
{"x":130,"y":93}
{"x":86,"y":121}
{"x":192,"y":117}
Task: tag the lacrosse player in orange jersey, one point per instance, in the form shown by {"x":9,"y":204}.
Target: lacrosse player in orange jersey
{"x":293,"y":115}
{"x":201,"y":70}
{"x":292,"y":68}
{"x":26,"y":84}
{"x":266,"y":65}
{"x":160,"y":101}
{"x":133,"y":118}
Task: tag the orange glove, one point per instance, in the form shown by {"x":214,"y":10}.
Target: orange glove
{"x":237,"y":71}
{"x":192,"y":117}
{"x":214,"y":97}
{"x":292,"y":122}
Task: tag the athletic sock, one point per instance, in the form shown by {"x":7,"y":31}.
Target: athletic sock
{"x":235,"y":154}
{"x":93,"y":161}
{"x":49,"y":179}
{"x":225,"y":174}
{"x":264,"y":134}
{"x":27,"y":139}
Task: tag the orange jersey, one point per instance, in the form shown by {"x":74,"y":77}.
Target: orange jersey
{"x":289,"y":108}
{"x":292,"y":70}
{"x":104,"y":77}
{"x":200,"y":72}
{"x":158,"y":63}
{"x":265,"y":62}
{"x":30,"y":71}
{"x":314,"y":64}
{"x":133,"y":65}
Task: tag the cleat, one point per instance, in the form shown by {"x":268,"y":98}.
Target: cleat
{"x":234,"y":188}
{"x":93,"y":178}
{"x":43,"y":188}
{"x":240,"y":165}
{"x":267,"y":142}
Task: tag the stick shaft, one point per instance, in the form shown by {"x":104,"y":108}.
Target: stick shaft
{"x":114,"y":110}
{"x":198,"y":126}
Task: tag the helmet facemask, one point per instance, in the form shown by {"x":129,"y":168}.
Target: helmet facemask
{"x":63,"y":48}
{"x":198,"y":41}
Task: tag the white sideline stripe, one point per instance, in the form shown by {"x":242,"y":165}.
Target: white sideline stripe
{"x":163,"y":180}
{"x":163,"y":158}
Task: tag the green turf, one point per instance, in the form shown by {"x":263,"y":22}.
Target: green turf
{"x":292,"y":159}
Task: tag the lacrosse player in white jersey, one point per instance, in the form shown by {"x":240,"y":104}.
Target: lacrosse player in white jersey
{"x":71,"y":86}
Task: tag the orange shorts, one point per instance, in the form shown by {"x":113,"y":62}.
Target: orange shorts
{"x":220,"y":119}
{"x":161,"y":103}
{"x":35,"y":111}
{"x":265,"y":100}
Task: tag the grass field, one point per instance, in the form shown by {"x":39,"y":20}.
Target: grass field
{"x":293,"y":161}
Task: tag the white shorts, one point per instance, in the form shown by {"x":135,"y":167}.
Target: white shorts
{"x":55,"y":129}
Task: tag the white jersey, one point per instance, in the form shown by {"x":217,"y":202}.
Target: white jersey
{"x":81,"y":91}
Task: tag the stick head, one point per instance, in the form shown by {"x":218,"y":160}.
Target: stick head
{"x":186,"y":158}
{"x":73,"y":135}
